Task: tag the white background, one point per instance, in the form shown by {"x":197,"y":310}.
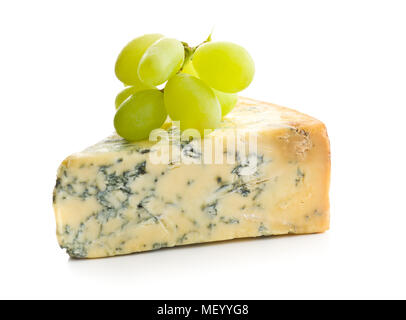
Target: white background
{"x":343,"y":62}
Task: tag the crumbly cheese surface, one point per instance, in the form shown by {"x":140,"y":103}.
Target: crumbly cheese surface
{"x":111,"y":199}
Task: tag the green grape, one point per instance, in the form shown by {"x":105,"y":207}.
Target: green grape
{"x":161,"y":61}
{"x":128,"y":91}
{"x":190,"y":69}
{"x":190,"y":101}
{"x":141,"y":113}
{"x":224,"y":66}
{"x":128,"y":60}
{"x":227,"y":101}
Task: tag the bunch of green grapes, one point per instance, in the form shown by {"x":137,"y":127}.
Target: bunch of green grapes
{"x":201,"y":84}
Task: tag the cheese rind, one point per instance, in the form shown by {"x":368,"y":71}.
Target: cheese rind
{"x":111,"y":199}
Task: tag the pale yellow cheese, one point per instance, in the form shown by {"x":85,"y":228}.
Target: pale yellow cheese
{"x":112,"y":199}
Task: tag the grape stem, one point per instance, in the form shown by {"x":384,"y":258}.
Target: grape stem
{"x":189,"y":51}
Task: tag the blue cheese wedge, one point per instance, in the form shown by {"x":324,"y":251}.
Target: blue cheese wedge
{"x":114,"y":198}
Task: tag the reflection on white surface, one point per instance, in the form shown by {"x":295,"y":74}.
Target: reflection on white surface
{"x":243,"y":263}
